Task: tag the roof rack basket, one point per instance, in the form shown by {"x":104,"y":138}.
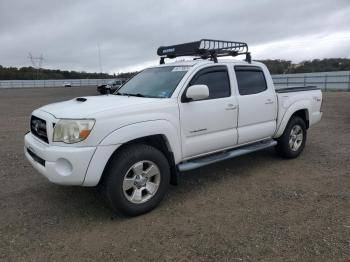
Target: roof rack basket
{"x":205,"y":48}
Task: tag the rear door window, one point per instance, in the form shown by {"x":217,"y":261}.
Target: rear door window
{"x":250,"y":80}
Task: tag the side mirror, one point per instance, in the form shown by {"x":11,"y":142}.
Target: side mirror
{"x":197,"y":92}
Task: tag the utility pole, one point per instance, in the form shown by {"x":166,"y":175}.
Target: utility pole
{"x":37,"y":62}
{"x":99,"y":58}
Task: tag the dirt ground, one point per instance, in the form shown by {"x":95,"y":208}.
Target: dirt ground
{"x":258,"y":207}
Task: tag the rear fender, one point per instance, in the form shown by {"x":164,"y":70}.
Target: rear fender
{"x":299,"y":105}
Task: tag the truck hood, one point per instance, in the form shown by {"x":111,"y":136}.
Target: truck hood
{"x":88,"y":106}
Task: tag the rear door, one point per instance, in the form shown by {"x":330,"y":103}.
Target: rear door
{"x":257,"y":105}
{"x":209,"y":125}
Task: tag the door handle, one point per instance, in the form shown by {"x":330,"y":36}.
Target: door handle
{"x":231,"y":107}
{"x":268,"y":102}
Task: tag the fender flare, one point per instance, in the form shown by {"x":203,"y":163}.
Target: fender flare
{"x":299,"y":105}
{"x":131,"y":132}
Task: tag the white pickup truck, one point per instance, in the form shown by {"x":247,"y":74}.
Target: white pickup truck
{"x":168,"y":119}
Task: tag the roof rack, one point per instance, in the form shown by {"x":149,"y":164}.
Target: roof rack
{"x":205,"y":48}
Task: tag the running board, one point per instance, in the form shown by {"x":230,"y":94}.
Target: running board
{"x":207,"y":160}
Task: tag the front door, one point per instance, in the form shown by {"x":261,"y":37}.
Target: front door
{"x":209,"y":125}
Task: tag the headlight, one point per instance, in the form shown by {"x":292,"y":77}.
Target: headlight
{"x":72,"y":131}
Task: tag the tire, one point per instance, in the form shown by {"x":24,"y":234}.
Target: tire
{"x":292,"y":141}
{"x":136,"y":179}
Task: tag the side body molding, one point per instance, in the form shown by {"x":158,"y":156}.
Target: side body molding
{"x":286,"y":111}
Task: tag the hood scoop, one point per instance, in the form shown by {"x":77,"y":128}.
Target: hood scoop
{"x":81,"y":99}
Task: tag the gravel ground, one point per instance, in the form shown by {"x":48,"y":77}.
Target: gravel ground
{"x":258,"y":207}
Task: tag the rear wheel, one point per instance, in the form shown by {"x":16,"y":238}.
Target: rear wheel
{"x":136,"y":179}
{"x":292,"y":141}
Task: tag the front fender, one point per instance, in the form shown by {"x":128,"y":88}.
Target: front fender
{"x":284,"y":119}
{"x":147,"y":128}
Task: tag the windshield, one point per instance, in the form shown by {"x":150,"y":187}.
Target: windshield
{"x":157,"y":82}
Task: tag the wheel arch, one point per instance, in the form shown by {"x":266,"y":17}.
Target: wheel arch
{"x":159,"y":134}
{"x":301,"y":109}
{"x":303,"y":114}
{"x":144,"y":129}
{"x":158,"y":141}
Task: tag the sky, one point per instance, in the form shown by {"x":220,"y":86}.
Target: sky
{"x":121,"y":36}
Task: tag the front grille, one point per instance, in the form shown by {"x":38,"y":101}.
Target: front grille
{"x":38,"y":128}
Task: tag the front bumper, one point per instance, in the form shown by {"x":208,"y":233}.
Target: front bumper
{"x":60,"y":165}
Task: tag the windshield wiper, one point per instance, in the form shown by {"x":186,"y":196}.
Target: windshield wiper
{"x":138,"y":95}
{"x":127,"y":94}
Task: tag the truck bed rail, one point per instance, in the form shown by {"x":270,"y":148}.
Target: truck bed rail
{"x":296,"y":89}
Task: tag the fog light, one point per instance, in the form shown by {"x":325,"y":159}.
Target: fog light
{"x":63,"y":167}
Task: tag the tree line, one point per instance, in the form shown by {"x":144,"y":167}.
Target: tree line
{"x":309,"y":66}
{"x":31,"y":73}
{"x":275,"y":66}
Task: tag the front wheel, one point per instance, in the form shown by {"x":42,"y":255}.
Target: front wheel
{"x":292,"y":141}
{"x":137,"y":179}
